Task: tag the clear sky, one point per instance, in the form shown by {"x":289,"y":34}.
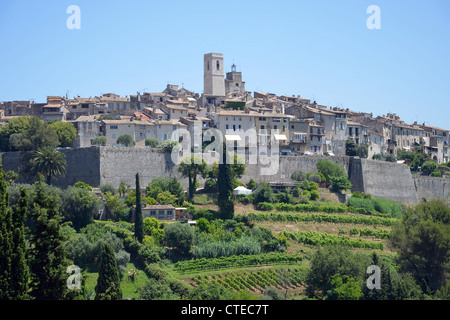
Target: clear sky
{"x":321,"y":50}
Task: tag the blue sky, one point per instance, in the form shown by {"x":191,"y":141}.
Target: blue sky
{"x":321,"y":50}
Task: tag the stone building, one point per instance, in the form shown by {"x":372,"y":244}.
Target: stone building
{"x":233,"y":81}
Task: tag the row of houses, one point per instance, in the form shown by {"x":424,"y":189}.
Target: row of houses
{"x":304,"y":127}
{"x":300,"y":126}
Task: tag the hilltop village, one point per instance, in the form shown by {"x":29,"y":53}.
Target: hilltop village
{"x":304,"y":126}
{"x":92,"y":205}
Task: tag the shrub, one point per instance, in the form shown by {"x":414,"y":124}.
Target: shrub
{"x":263,"y":193}
{"x":357,"y":194}
{"x":298,"y":175}
{"x":100,"y":141}
{"x":251,"y":184}
{"x":265,"y":206}
{"x":210,"y":185}
{"x":151,"y":142}
{"x":339,"y":183}
{"x":108,"y":188}
{"x":284,"y":197}
{"x":390,"y":158}
{"x":243,"y":198}
{"x":315,"y":177}
{"x":179,"y":235}
{"x":314,"y":195}
{"x":428,"y":167}
{"x":330,"y":169}
{"x":126,"y":140}
{"x":359,"y":202}
{"x":367,"y":196}
{"x":377,"y":156}
{"x":436,"y":173}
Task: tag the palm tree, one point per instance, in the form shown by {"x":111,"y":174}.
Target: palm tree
{"x":49,"y":162}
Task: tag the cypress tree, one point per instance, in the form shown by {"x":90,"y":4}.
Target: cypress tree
{"x":20,"y":275}
{"x":138,"y":221}
{"x":6,"y":242}
{"x":48,"y":262}
{"x":225,"y":198}
{"x":108,"y":282}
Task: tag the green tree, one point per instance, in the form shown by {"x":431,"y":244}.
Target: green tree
{"x":428,"y":167}
{"x":329,"y":261}
{"x":190,"y":167}
{"x":123,"y":189}
{"x":36,"y":135}
{"x":422,"y":239}
{"x":151,"y":142}
{"x":298,"y":175}
{"x":172,"y":185}
{"x":251,"y":184}
{"x":179,"y":235}
{"x":330,"y":169}
{"x":344,"y":288}
{"x":225,"y":198}
{"x":377,"y":156}
{"x":82,"y":185}
{"x":138,"y":219}
{"x":6,"y":242}
{"x":263,"y":193}
{"x":100,"y":141}
{"x":114,"y":203}
{"x":339,"y":184}
{"x":65,"y":131}
{"x":168,"y":144}
{"x":79,"y":206}
{"x":108,"y":282}
{"x":49,"y":162}
{"x":21,"y":274}
{"x":362,"y":151}
{"x":48,"y":263}
{"x":14,"y":126}
{"x":390,"y":158}
{"x":350,"y":147}
{"x":126,"y":140}
{"x":237,"y":169}
{"x":153,"y":228}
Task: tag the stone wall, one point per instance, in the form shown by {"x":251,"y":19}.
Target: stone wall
{"x":83,"y":164}
{"x":121,"y":165}
{"x":388,"y":180}
{"x":101,"y":165}
{"x":432,"y":188}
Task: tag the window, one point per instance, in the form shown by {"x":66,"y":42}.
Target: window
{"x":227,"y":127}
{"x":218,"y":65}
{"x":161,"y":213}
{"x":207,"y":67}
{"x":174,"y":127}
{"x":152,"y":213}
{"x":169,"y":213}
{"x":113,"y":127}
